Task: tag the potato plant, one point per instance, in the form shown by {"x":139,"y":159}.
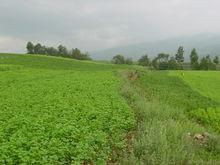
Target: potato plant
{"x":55,"y":115}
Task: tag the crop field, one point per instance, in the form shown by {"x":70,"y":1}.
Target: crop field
{"x":60,"y":111}
{"x":208,"y":85}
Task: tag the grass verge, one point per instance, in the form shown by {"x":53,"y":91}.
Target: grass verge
{"x":164,"y":134}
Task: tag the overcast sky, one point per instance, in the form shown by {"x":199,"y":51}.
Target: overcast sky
{"x":99,"y":24}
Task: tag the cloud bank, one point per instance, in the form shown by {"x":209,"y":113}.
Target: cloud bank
{"x":100,"y":24}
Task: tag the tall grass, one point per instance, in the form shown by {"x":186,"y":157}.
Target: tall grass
{"x":162,"y":131}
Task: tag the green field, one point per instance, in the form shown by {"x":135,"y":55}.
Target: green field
{"x":207,"y":84}
{"x":56,"y":110}
{"x":62,"y":111}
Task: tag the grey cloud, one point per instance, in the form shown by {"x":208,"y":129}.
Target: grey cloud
{"x":99,"y":24}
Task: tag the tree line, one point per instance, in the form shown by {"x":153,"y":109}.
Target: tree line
{"x":61,"y":51}
{"x":205,"y":63}
{"x":164,"y":61}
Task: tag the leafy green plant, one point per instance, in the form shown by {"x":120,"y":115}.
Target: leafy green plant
{"x":209,"y":116}
{"x":60,"y":111}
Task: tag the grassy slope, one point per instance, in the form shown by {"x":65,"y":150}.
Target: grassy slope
{"x":55,"y":63}
{"x":164,"y":133}
{"x":161,"y":103}
{"x":208,"y":85}
{"x":56,"y":110}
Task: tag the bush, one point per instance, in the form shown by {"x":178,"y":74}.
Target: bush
{"x":118,"y":59}
{"x":144,"y":61}
{"x":129,"y":61}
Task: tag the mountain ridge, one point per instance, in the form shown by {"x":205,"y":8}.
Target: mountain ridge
{"x":207,"y":43}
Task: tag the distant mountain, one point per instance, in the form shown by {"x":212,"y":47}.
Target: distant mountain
{"x":204,"y":44}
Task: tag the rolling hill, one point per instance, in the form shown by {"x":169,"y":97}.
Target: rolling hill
{"x":60,"y":111}
{"x":56,"y":110}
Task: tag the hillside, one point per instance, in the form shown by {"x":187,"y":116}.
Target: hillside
{"x":204,"y":43}
{"x":178,"y":118}
{"x":62,"y":111}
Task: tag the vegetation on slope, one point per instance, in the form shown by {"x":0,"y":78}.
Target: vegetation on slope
{"x":60,"y":111}
{"x":63,"y":111}
{"x":61,"y":51}
{"x":164,"y":133}
{"x":164,"y":61}
{"x":208,"y":85}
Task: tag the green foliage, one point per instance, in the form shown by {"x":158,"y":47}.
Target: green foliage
{"x":77,"y":54}
{"x":55,"y":63}
{"x":209,"y":117}
{"x":144,"y":61}
{"x":207,"y":64}
{"x":52,"y":51}
{"x":162,"y":57}
{"x":61,"y":51}
{"x":169,"y":88}
{"x":164,"y":134}
{"x":30,"y":48}
{"x":216,"y":60}
{"x":180,"y":55}
{"x":37,"y":49}
{"x":129,"y":61}
{"x":60,"y":111}
{"x":194,"y":59}
{"x":155,"y":64}
{"x":118,"y":59}
{"x":163,"y":62}
{"x":173,"y":65}
{"x":162,"y":105}
{"x":205,"y":83}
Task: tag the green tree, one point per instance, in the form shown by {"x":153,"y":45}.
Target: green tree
{"x":204,"y":64}
{"x":163,"y":65}
{"x":180,"y":55}
{"x":194,"y":59}
{"x":76,"y":54}
{"x":155,"y":63}
{"x":144,"y":61}
{"x":52,"y":51}
{"x":129,"y":61}
{"x":118,"y":59}
{"x":207,"y":64}
{"x":173,"y":65}
{"x":37,"y":48}
{"x":62,"y":51}
{"x":43,"y":50}
{"x":30,"y":48}
{"x":86,"y":56}
{"x":216,"y":60}
{"x":162,"y":59}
